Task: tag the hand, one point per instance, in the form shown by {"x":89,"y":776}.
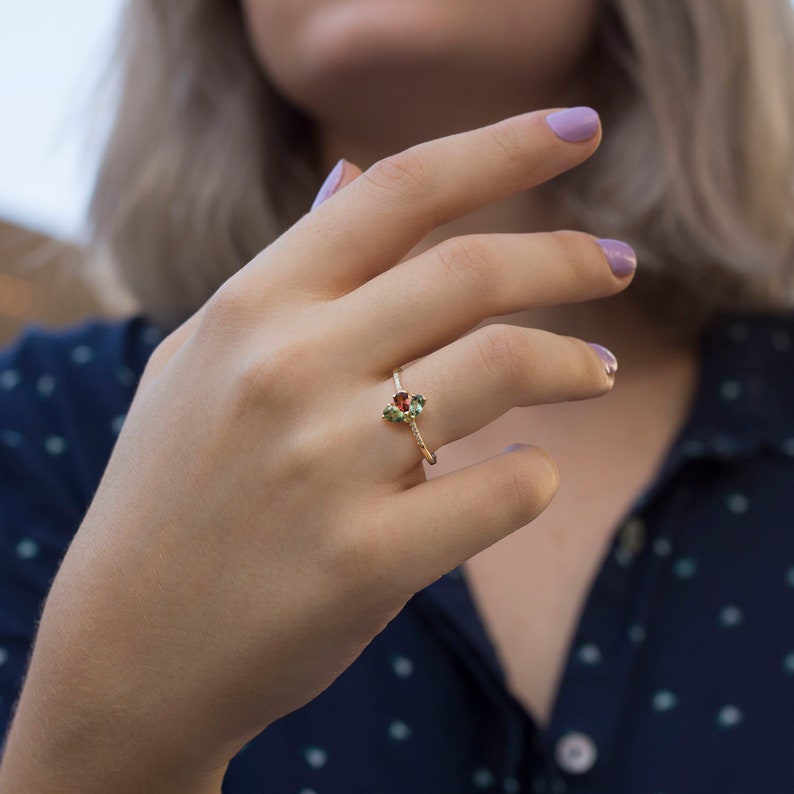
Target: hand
{"x":258,"y":521}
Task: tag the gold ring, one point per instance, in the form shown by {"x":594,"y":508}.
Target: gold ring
{"x":405,"y":407}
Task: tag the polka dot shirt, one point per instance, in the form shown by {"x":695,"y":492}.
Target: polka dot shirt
{"x":680,"y":674}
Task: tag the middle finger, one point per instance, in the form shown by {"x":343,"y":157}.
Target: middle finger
{"x":435,"y":297}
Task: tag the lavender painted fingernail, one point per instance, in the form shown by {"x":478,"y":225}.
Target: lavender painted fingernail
{"x":574,"y":125}
{"x":610,"y":362}
{"x":331,"y":184}
{"x":621,"y":257}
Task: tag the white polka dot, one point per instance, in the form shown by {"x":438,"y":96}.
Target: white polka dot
{"x":511,"y":786}
{"x":738,"y":332}
{"x":693,"y":449}
{"x":483,"y":778}
{"x":731,"y":616}
{"x":589,"y":654}
{"x":45,"y":385}
{"x":685,"y":568}
{"x":3,"y":655}
{"x":623,"y":557}
{"x":722,"y":446}
{"x":664,"y":700}
{"x":55,"y":445}
{"x":9,"y":379}
{"x":125,"y":376}
{"x":305,"y":790}
{"x":729,"y":716}
{"x":27,"y":548}
{"x":731,"y":390}
{"x":781,"y":341}
{"x":790,"y":576}
{"x":315,"y":757}
{"x":637,"y":633}
{"x":399,"y":731}
{"x":403,"y":667}
{"x":117,"y":423}
{"x":788,"y":446}
{"x":737,"y":503}
{"x":662,"y":547}
{"x":82,"y":354}
{"x":11,"y":438}
{"x":788,"y":663}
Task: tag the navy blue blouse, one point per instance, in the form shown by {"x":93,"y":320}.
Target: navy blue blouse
{"x":680,"y":676}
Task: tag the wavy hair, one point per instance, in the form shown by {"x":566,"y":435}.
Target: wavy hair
{"x":206,"y":163}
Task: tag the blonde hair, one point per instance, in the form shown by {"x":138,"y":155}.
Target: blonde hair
{"x":206,"y":163}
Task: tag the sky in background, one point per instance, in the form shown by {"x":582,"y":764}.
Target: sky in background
{"x":51,"y":53}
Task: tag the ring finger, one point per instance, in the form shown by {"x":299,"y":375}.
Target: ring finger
{"x":477,"y":378}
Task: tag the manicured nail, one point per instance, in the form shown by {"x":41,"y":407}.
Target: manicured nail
{"x":331,"y":184}
{"x":574,"y":125}
{"x":621,"y":257}
{"x":610,"y":362}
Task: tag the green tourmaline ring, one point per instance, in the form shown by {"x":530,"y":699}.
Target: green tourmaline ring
{"x":405,"y":407}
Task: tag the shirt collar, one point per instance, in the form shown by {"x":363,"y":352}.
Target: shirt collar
{"x":745,"y":397}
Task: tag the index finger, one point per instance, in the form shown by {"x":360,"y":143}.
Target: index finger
{"x":375,"y":221}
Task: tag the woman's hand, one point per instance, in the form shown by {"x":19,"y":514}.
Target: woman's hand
{"x":258,"y":521}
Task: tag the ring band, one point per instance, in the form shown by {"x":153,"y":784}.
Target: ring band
{"x":405,"y":407}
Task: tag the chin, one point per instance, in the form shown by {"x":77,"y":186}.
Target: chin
{"x":440,"y":65}
{"x":360,"y":35}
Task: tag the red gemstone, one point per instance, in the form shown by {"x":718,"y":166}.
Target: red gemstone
{"x":403,"y":401}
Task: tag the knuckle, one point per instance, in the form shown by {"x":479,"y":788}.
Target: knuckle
{"x":272,"y":381}
{"x":502,"y":352}
{"x":528,"y":489}
{"x":576,"y":253}
{"x":509,"y":139}
{"x":226,"y":304}
{"x":406,"y":175}
{"x":468,"y":260}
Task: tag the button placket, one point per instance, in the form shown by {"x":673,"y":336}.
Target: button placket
{"x":575,"y":753}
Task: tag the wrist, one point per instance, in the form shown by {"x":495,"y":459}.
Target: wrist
{"x":56,"y":749}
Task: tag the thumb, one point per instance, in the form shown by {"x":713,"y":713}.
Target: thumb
{"x":342,"y":174}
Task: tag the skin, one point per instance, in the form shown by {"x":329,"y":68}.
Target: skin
{"x":377,"y":76}
{"x":204,"y":558}
{"x":421,"y":69}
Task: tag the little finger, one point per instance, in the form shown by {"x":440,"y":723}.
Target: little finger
{"x":444,"y":521}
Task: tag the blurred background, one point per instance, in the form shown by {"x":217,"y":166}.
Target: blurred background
{"x":51,"y":57}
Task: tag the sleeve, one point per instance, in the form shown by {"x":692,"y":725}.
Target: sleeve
{"x":63,"y":398}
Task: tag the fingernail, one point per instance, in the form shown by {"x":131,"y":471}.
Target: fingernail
{"x":574,"y":125}
{"x":621,"y":256}
{"x":610,"y":362}
{"x":331,"y":184}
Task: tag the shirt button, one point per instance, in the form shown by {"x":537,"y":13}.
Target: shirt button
{"x":575,"y":753}
{"x":633,"y":535}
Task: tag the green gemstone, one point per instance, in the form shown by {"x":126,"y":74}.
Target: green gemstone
{"x":393,"y":414}
{"x":417,"y":404}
